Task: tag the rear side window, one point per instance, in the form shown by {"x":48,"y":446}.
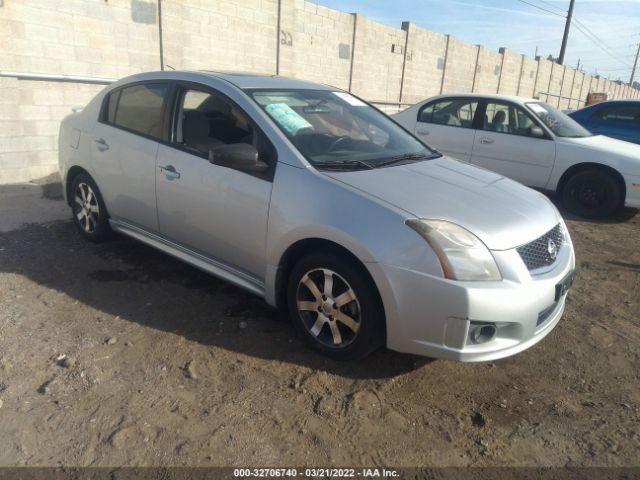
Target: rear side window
{"x":452,"y":112}
{"x":620,"y":113}
{"x":138,"y":108}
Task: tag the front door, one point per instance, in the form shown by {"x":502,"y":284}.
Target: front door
{"x":506,"y":145}
{"x":216,"y":211}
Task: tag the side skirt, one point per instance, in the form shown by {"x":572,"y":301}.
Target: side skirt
{"x":209,"y":265}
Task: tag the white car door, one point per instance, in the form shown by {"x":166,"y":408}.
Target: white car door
{"x":447,"y":125}
{"x":512,"y":143}
{"x":124,"y":152}
{"x":213,"y":210}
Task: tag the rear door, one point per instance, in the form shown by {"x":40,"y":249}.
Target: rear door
{"x":125,"y":144}
{"x":505,"y":145}
{"x":213,"y":210}
{"x":619,"y":120}
{"x":447,"y":124}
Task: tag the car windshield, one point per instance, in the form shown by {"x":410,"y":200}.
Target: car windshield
{"x":336,"y":130}
{"x":559,"y":123}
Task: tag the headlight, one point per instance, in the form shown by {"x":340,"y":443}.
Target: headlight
{"x":462,"y":255}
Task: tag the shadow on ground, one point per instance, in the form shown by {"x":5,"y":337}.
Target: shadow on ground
{"x":621,"y":216}
{"x":128,"y":279}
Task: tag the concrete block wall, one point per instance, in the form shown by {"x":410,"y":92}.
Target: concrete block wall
{"x":424,"y":65}
{"x":526,"y":87}
{"x":460,"y":60}
{"x":75,"y":37}
{"x":237,"y":35}
{"x":378,"y":58}
{"x":510,"y":71}
{"x":586,"y":87}
{"x":487,"y":71}
{"x":566,"y":87}
{"x":315,"y":43}
{"x":543,"y":77}
{"x":115,"y":38}
{"x":30,"y":115}
{"x":554,"y":89}
{"x":576,"y":88}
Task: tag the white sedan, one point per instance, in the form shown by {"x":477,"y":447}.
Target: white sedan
{"x":531,"y":142}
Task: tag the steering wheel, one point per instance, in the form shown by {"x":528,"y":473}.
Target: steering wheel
{"x":338,"y":142}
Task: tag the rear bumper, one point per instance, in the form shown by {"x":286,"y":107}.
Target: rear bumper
{"x":433,"y":316}
{"x":633,"y":191}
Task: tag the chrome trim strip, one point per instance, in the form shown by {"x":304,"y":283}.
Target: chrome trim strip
{"x":209,"y":265}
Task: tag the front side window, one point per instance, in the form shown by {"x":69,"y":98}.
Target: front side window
{"x":627,"y":113}
{"x":559,"y":123}
{"x":507,"y":118}
{"x":206,"y":120}
{"x":337,"y":129}
{"x":452,"y":112}
{"x":139,"y":108}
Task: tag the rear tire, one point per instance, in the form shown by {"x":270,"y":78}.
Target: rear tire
{"x":592,"y":194}
{"x":89,"y":211}
{"x":335,"y":307}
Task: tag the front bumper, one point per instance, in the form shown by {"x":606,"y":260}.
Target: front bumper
{"x":633,"y":191}
{"x":432,"y":316}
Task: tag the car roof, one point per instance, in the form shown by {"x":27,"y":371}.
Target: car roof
{"x":254,"y":80}
{"x":240,"y":80}
{"x":491,"y":96}
{"x":619,"y":100}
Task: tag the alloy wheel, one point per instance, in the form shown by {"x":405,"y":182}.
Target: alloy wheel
{"x":329,"y":308}
{"x":86,"y":209}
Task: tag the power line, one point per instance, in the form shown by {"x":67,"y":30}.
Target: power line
{"x":552,"y":5}
{"x":582,"y":28}
{"x":541,"y":8}
{"x":591,"y":32}
{"x":597,"y":41}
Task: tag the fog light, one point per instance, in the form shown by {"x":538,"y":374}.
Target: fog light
{"x":482,"y":332}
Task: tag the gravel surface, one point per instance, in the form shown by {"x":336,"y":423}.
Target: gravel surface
{"x":116,"y":354}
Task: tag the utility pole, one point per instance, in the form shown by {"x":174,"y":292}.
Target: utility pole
{"x":635,"y":63}
{"x":567,"y":25}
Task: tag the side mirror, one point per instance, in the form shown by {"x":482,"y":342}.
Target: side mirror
{"x":536,"y":131}
{"x":239,"y":156}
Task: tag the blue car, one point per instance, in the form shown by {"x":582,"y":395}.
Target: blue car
{"x":614,"y":118}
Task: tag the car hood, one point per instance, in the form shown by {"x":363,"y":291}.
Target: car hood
{"x":499,"y":211}
{"x":628,"y":151}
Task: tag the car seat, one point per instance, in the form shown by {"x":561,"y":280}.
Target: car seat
{"x":195,"y":132}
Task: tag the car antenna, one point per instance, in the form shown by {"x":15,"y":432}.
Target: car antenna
{"x":170,"y":67}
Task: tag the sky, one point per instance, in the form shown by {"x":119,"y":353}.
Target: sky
{"x":604,"y":37}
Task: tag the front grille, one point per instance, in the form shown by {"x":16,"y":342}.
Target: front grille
{"x":537,"y":254}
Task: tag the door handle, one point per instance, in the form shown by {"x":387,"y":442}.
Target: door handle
{"x":423,"y":132}
{"x":169,"y":172}
{"x":101,"y":144}
{"x":486,"y":141}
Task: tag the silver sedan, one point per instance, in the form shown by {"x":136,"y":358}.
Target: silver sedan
{"x":312,"y":199}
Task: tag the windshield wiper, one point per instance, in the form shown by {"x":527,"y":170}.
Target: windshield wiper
{"x":405,"y":157}
{"x":346,"y":164}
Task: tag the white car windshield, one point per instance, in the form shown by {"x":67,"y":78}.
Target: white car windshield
{"x":335,"y":129}
{"x":559,"y":123}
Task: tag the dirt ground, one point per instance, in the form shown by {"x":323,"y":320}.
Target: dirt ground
{"x":116,"y":354}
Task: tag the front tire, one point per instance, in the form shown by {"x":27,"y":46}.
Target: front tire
{"x":592,"y":194}
{"x":335,"y":307}
{"x":89,"y":211}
